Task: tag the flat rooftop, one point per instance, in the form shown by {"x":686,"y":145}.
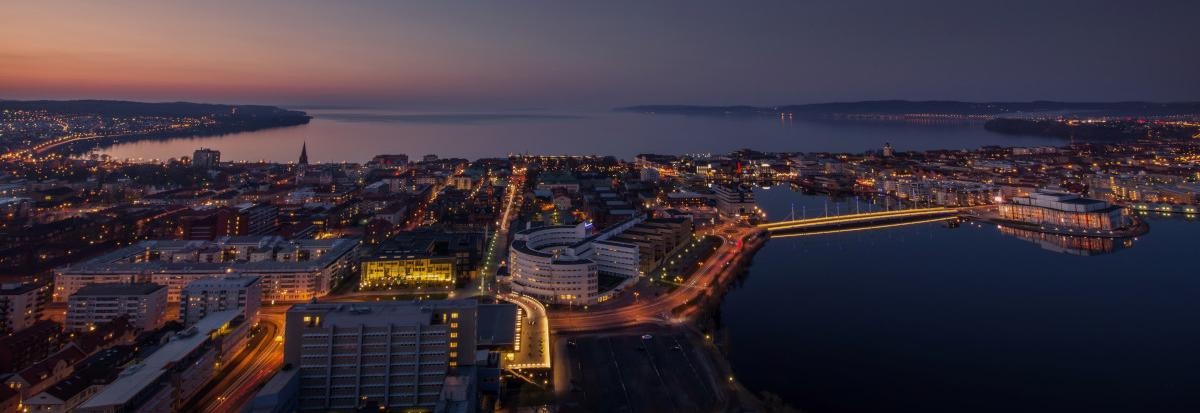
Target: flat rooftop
{"x":497,"y":324}
{"x":120,"y":260}
{"x":118,"y":289}
{"x":383,"y":312}
{"x":138,"y":376}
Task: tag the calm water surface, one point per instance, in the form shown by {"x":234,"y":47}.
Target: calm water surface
{"x":356,"y":136}
{"x":934,"y":319}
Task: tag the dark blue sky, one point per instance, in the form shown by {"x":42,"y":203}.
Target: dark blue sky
{"x":558,"y":54}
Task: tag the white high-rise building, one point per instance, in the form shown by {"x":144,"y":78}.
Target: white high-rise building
{"x":560,"y":264}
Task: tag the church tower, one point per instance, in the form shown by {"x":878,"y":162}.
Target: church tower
{"x":304,"y":154}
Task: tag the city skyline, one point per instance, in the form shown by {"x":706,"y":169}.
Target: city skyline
{"x":302,"y":206}
{"x":468,"y":56}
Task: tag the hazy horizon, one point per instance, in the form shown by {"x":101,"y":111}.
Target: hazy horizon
{"x":570,"y":56}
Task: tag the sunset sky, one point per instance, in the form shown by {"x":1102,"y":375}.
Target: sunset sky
{"x":558,"y":54}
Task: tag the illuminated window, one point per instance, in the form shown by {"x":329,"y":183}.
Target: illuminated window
{"x":454,"y":315}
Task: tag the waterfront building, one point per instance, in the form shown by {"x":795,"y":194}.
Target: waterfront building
{"x":561,"y":264}
{"x":1062,"y":210}
{"x":396,"y":355}
{"x":291,"y":270}
{"x":206,"y":158}
{"x":735,"y":200}
{"x":170,"y":376}
{"x":391,"y":161}
{"x":21,"y":305}
{"x":144,"y":303}
{"x":656,"y":239}
{"x":209,"y":295}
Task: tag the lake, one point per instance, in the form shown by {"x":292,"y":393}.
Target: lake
{"x":356,"y":136}
{"x":927,"y":318}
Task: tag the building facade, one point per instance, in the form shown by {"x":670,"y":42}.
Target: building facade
{"x":206,"y":158}
{"x":561,"y":264}
{"x":169,"y":377}
{"x":291,"y":270}
{"x":1067,"y":211}
{"x":21,"y":305}
{"x":735,"y":200}
{"x":144,"y":303}
{"x":422,"y":258}
{"x":209,"y":295}
{"x":397,"y":355}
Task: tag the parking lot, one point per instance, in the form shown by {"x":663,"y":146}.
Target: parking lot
{"x":625,"y":372}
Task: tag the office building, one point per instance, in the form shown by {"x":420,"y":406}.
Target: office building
{"x":144,"y":303}
{"x":735,"y":200}
{"x":561,"y":264}
{"x":423,"y":258}
{"x":291,"y":270}
{"x":396,"y":355}
{"x":656,"y":239}
{"x":209,"y":295}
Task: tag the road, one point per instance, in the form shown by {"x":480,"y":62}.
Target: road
{"x":533,"y":346}
{"x":715,"y":270}
{"x":237,"y":385}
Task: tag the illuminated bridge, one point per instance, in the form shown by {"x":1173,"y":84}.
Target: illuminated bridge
{"x":858,"y":222}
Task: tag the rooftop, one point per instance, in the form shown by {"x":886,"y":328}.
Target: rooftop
{"x":139,"y":376}
{"x":118,"y":289}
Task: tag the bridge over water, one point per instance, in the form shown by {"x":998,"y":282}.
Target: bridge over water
{"x":858,"y":222}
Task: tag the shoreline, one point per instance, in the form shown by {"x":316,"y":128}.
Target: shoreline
{"x":85,"y":145}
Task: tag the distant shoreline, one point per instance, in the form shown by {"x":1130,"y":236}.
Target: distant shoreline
{"x":87,"y":124}
{"x":982,"y":110}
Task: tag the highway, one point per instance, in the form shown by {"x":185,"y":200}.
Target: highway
{"x":237,"y":385}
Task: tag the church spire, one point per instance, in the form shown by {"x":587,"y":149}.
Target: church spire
{"x":304,"y":153}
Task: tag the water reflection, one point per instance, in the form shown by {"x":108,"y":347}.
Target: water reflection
{"x":1069,"y":244}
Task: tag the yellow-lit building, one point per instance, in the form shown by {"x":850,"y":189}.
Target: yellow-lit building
{"x":1060,"y":210}
{"x":422,"y":258}
{"x":410,"y":270}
